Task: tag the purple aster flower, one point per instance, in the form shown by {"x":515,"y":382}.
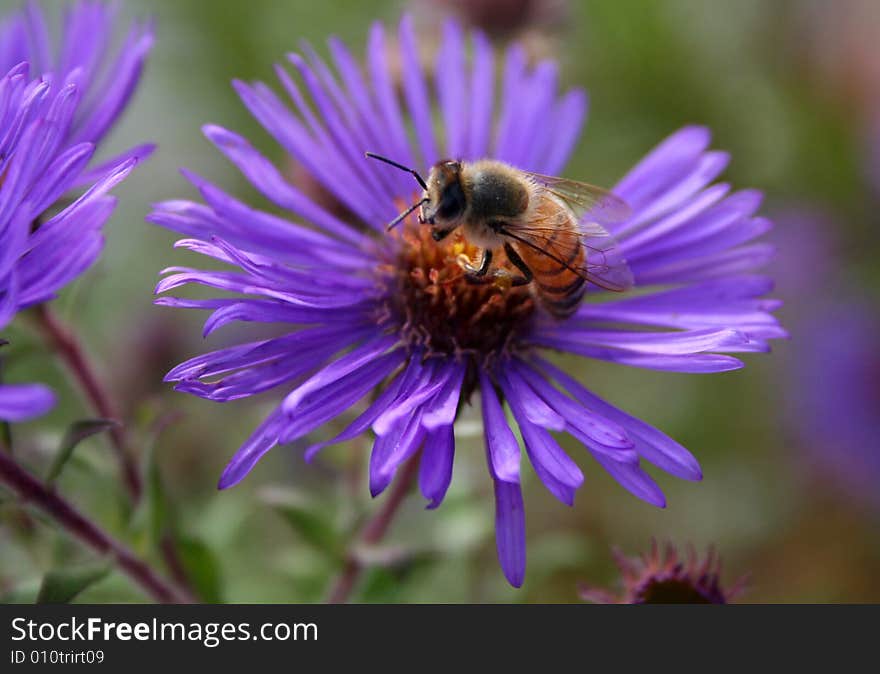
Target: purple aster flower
{"x":663,"y":576}
{"x":391,"y":314}
{"x":105,"y":78}
{"x":53,"y":203}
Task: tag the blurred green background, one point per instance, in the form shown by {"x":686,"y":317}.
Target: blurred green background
{"x":787,"y":88}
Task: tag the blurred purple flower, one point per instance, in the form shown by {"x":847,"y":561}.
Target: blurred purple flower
{"x":809,"y":254}
{"x":834,"y":394}
{"x":52,"y":203}
{"x":391,"y":313}
{"x":831,"y":383}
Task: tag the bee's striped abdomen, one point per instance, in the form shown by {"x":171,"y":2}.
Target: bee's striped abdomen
{"x":559,"y":282}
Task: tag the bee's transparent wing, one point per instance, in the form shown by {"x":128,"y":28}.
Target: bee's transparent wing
{"x":591,"y":205}
{"x":605,"y":265}
{"x":550,"y":233}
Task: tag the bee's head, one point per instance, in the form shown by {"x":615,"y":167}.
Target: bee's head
{"x":446,"y":201}
{"x":443,"y":199}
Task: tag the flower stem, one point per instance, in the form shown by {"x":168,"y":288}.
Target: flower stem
{"x":79,"y":527}
{"x":373,"y":532}
{"x":72,"y":353}
{"x":68,"y":348}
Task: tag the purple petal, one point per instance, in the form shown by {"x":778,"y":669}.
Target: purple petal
{"x":435,"y":470}
{"x":268,"y":311}
{"x":501,"y":444}
{"x":20,"y":402}
{"x":655,"y":446}
{"x":699,"y":363}
{"x":599,"y":429}
{"x":445,"y":405}
{"x":349,"y":363}
{"x":8,"y":298}
{"x":440,"y":373}
{"x":514,"y":73}
{"x":386,"y":99}
{"x":38,"y":32}
{"x":138,"y":153}
{"x":318,"y":155}
{"x":534,"y":408}
{"x":59,"y":176}
{"x":121,"y":82}
{"x":684,"y":213}
{"x":533,"y":132}
{"x":351,"y":152}
{"x":739,"y":232}
{"x":451,"y":80}
{"x":635,"y":480}
{"x":510,"y":531}
{"x":682,"y":187}
{"x":391,"y":450}
{"x":680,"y":149}
{"x":728,"y":302}
{"x":568,"y":121}
{"x":264,"y":438}
{"x":62,"y":249}
{"x":266,"y":178}
{"x":338,"y":395}
{"x":687,"y":232}
{"x":481,"y":98}
{"x":727,"y":263}
{"x":255,"y":353}
{"x":401,"y":385}
{"x":359,"y":130}
{"x":376,"y":136}
{"x":677,"y":343}
{"x":416,"y":92}
{"x":14,"y":240}
{"x":548,"y":458}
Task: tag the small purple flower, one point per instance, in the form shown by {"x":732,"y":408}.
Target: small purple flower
{"x":391,"y":314}
{"x":54,"y":109}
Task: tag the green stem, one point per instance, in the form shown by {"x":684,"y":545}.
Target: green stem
{"x":373,"y":532}
{"x":32,"y":491}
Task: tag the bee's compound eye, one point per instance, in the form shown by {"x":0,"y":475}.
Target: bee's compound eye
{"x":436,"y":234}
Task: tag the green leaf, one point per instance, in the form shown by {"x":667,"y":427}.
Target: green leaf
{"x":202,"y":569}
{"x":5,"y":436}
{"x":154,"y":512}
{"x":309,"y":519}
{"x":76,"y":433}
{"x":61,"y":586}
{"x":391,"y":570}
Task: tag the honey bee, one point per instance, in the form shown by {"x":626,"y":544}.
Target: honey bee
{"x":549,"y":228}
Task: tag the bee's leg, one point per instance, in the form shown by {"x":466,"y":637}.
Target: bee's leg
{"x":518,"y":262}
{"x":476,"y":274}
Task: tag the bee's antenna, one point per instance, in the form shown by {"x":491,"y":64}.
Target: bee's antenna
{"x":391,"y":225}
{"x":402,"y":168}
